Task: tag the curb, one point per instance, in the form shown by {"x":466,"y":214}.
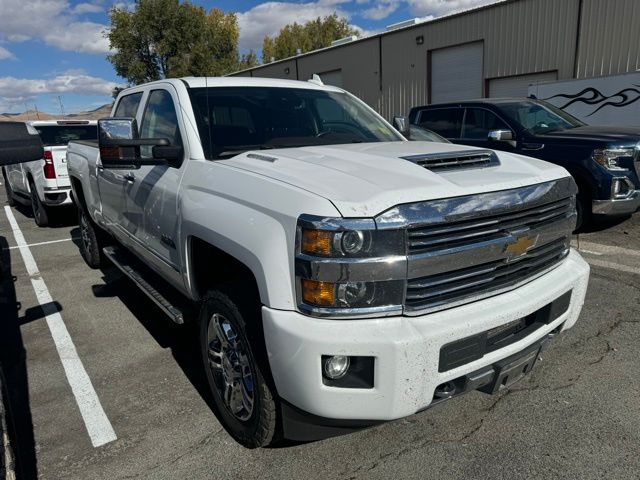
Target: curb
{"x":7,"y":471}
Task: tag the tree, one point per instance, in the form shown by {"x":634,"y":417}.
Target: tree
{"x":169,"y":38}
{"x":312,"y":35}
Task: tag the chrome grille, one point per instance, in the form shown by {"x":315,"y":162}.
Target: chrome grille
{"x":455,"y":160}
{"x":468,"y":232}
{"x":437,"y":290}
{"x":463,"y":249}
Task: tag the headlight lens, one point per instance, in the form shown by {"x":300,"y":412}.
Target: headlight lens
{"x":609,"y":158}
{"x":349,"y":268}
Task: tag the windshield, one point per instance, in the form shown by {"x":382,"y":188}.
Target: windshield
{"x":59,"y":135}
{"x":232,"y":120}
{"x":423,"y":135}
{"x":540,"y":117}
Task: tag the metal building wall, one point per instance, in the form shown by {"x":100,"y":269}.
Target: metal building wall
{"x":359,"y":63}
{"x":609,"y":38}
{"x":519,"y":37}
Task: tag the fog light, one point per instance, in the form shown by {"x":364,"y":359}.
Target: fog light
{"x":336,"y":367}
{"x":621,"y":187}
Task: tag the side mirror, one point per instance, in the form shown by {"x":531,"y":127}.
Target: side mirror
{"x":119,"y":144}
{"x":500,"y":135}
{"x":19,"y":143}
{"x":402,"y":125}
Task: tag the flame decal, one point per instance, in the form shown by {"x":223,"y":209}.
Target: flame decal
{"x":592,"y":96}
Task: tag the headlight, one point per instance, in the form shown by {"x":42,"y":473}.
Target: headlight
{"x":347,"y":268}
{"x":609,"y":158}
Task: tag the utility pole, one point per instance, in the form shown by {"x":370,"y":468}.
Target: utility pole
{"x":61,"y":105}
{"x":26,"y":111}
{"x":37,"y":112}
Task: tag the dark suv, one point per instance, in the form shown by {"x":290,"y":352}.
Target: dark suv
{"x":604,"y":161}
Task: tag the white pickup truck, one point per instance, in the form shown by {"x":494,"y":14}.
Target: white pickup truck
{"x":342,"y":275}
{"x":44,"y":183}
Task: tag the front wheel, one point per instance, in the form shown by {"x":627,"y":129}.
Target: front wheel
{"x":583,"y":211}
{"x":235,"y":368}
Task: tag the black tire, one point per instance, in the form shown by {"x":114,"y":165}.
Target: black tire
{"x":11,"y":201}
{"x":257,"y":427}
{"x":41,"y":213}
{"x":91,"y":241}
{"x":583,"y":210}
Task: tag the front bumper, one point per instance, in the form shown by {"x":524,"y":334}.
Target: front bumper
{"x":624,"y":206}
{"x":406,"y":349}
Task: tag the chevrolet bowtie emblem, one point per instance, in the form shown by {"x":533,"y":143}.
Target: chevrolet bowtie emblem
{"x":520,"y":246}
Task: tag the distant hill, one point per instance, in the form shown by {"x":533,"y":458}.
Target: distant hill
{"x":99,"y":112}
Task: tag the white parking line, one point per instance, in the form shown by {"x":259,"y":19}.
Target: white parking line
{"x":98,"y":426}
{"x":39,"y":243}
{"x":600,"y":249}
{"x":613,"y":266}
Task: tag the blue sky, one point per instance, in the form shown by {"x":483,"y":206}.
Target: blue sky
{"x":55,"y":48}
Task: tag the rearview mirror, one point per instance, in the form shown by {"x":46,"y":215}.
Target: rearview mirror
{"x":402,"y":125}
{"x":500,"y":135}
{"x":19,"y":143}
{"x":119,"y":144}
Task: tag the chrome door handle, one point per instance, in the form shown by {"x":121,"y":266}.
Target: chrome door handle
{"x":130,"y":177}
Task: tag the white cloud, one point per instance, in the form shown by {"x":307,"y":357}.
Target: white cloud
{"x":6,"y":54}
{"x":88,"y":8}
{"x":382,"y":9}
{"x":268,"y":18}
{"x":54,"y":22}
{"x":443,"y":7}
{"x":17,"y":91}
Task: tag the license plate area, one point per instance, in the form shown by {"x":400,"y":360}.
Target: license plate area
{"x":513,"y":369}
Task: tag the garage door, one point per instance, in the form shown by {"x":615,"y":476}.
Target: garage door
{"x":517,"y":86}
{"x":456,"y":73}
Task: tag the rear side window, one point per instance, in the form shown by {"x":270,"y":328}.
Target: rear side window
{"x":128,"y":105}
{"x":446,"y":122}
{"x":478,"y":122}
{"x":59,"y":135}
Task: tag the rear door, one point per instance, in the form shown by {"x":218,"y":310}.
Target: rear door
{"x":112,"y":182}
{"x":445,"y":121}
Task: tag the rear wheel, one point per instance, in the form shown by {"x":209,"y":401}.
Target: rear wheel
{"x":91,"y":242}
{"x":237,"y":369}
{"x":40,"y":212}
{"x":7,"y":188}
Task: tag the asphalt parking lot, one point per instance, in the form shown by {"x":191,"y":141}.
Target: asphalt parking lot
{"x":576,"y":416}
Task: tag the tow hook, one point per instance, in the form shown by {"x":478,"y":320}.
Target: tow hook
{"x":445,"y":390}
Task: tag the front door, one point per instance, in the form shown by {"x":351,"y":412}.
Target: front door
{"x":151,"y":217}
{"x":477,"y":124}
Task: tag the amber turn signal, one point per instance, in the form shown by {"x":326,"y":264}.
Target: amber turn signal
{"x":317,"y":242}
{"x":321,"y":294}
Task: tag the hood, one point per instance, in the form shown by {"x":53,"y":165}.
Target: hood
{"x":594,"y":133}
{"x":363,"y":180}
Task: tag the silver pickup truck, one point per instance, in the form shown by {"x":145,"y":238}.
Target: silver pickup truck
{"x":341,"y":275}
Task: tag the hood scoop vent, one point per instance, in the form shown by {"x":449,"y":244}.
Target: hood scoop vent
{"x":466,"y":159}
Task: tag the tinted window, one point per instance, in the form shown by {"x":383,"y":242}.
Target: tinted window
{"x":232,"y":120}
{"x":128,"y":105}
{"x":478,"y":122}
{"x":160,"y":120}
{"x":443,"y":121}
{"x":53,"y":135}
{"x":420,"y":134}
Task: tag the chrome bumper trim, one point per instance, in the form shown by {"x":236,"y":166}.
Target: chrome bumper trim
{"x":623,"y":206}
